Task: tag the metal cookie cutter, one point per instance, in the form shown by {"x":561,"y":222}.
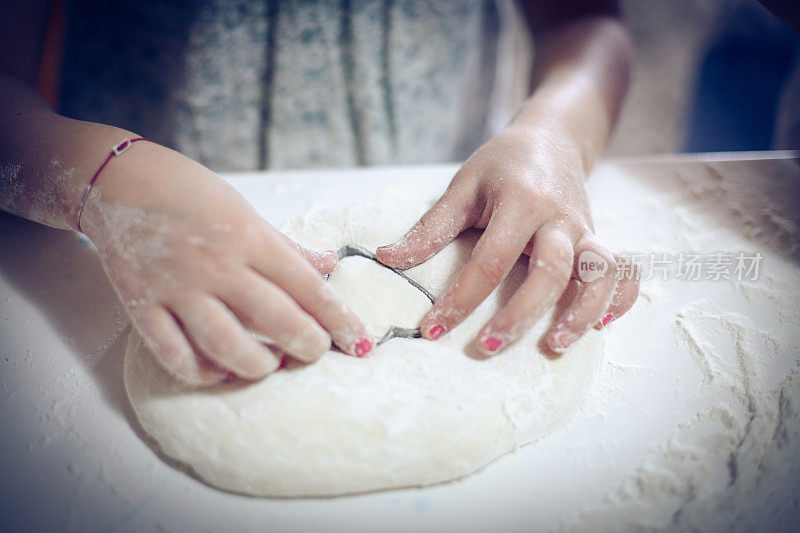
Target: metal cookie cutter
{"x":348,"y":250}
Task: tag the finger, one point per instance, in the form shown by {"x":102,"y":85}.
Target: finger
{"x":323,"y":262}
{"x":549,"y":271}
{"x":592,"y":298}
{"x":221,"y":337}
{"x":285,"y":268}
{"x":625,"y":293}
{"x":496,"y":252}
{"x":171,"y":349}
{"x":442,"y":223}
{"x":268,"y":310}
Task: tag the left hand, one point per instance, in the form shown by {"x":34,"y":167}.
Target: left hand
{"x":525,"y":188}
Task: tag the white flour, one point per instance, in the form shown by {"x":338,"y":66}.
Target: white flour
{"x":732,"y":460}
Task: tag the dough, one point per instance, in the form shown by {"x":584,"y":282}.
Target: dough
{"x":378,"y":296}
{"x":414,"y":413}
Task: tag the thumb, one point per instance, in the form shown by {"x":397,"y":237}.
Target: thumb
{"x":322,"y":261}
{"x":442,"y":223}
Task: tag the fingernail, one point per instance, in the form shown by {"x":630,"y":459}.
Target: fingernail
{"x":436,"y":331}
{"x":492,"y":343}
{"x":363,"y":346}
{"x":608,"y":318}
{"x":561,"y":341}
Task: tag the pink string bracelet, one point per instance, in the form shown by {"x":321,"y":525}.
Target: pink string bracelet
{"x":115,"y":151}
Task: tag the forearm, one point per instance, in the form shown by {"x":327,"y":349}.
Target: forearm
{"x":46,"y":160}
{"x":580,"y":78}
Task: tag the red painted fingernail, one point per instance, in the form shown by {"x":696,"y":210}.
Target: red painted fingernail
{"x":363,"y":346}
{"x":608,"y":318}
{"x":492,"y":343}
{"x":436,"y":331}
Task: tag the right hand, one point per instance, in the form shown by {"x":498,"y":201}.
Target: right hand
{"x":196,"y":267}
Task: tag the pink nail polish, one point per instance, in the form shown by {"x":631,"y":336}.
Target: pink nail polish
{"x":385,"y":249}
{"x":436,"y":331}
{"x":608,"y":318}
{"x":492,"y":343}
{"x":363,"y":346}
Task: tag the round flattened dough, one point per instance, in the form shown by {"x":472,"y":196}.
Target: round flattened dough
{"x":415,"y":413}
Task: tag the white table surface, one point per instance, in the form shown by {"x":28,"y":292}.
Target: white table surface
{"x":73,"y":457}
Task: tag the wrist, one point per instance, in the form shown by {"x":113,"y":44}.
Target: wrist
{"x":113,"y":182}
{"x":79,"y":160}
{"x":116,"y":151}
{"x":147,"y":178}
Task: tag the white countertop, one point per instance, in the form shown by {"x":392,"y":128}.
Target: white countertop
{"x":74,"y":458}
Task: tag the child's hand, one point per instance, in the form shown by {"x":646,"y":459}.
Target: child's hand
{"x":196,"y":267}
{"x":525,"y":186}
